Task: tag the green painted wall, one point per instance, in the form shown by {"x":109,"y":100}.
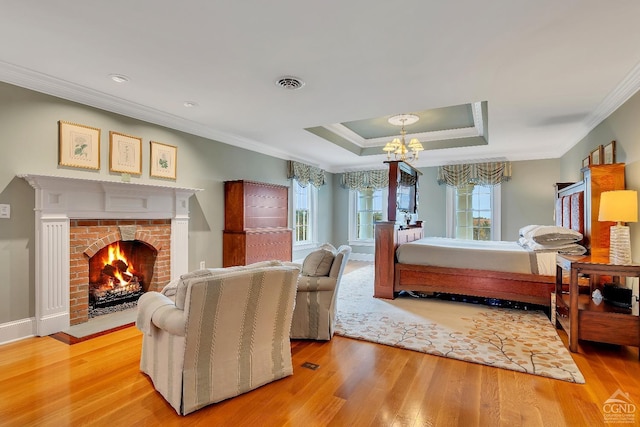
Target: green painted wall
{"x":529,"y":197}
{"x":29,"y":142}
{"x":432,"y":203}
{"x":526,"y":199}
{"x":623,"y":127}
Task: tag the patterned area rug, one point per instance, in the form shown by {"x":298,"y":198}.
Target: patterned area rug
{"x":518,"y":340}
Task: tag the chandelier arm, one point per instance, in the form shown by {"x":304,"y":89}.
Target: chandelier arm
{"x":399,"y":147}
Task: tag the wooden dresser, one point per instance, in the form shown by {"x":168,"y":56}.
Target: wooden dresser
{"x":255,"y":223}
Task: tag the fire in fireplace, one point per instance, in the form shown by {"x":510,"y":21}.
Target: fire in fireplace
{"x":118,"y":275}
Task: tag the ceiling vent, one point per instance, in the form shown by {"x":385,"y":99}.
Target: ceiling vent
{"x":290,"y":83}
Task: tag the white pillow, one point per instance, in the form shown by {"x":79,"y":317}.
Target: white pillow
{"x":567,"y":249}
{"x":526,"y":230}
{"x":551,"y":234}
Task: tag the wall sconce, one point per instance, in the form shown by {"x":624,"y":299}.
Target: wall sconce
{"x":620,"y":206}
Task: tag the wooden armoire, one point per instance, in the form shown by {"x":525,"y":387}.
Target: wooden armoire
{"x":255,"y":223}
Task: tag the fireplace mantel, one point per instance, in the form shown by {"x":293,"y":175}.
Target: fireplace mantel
{"x":59,"y":199}
{"x":88,"y":198}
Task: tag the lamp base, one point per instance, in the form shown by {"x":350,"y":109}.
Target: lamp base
{"x":619,"y":245}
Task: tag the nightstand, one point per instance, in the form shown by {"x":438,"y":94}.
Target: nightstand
{"x":580,"y":316}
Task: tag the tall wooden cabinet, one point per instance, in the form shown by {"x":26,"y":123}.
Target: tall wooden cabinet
{"x":255,"y":223}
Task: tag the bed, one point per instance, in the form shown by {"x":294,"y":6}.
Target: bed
{"x":398,"y":270}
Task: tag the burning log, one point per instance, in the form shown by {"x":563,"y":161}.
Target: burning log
{"x":116,"y":266}
{"x":117,"y":272}
{"x":109,"y":270}
{"x":120,"y":265}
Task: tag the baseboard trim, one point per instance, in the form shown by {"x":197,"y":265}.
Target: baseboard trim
{"x":355,"y":256}
{"x":17,"y":330}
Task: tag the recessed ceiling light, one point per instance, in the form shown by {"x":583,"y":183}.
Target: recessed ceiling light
{"x":289,"y":82}
{"x":119,"y":78}
{"x":190,"y":104}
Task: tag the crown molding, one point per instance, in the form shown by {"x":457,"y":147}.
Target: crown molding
{"x":49,"y":85}
{"x":618,"y":96}
{"x":476,"y":110}
{"x":439,"y":135}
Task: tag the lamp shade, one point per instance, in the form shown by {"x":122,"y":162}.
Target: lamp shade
{"x":619,"y":206}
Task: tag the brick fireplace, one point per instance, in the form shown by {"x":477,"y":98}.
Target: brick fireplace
{"x":87,"y":238}
{"x":76,"y":218}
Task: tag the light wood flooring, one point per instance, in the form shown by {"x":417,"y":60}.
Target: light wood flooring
{"x":45,"y":382}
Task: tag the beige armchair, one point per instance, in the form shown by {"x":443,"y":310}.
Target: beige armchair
{"x":315,"y":311}
{"x":220,"y":334}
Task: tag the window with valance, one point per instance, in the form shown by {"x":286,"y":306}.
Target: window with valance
{"x":365,"y":180}
{"x":305,"y":174}
{"x":489,"y":173}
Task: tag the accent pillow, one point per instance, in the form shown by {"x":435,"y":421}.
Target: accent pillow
{"x":259,"y":264}
{"x":551,"y":234}
{"x":183,"y":284}
{"x":329,"y":247}
{"x":318,"y":263}
{"x":170,"y":289}
{"x":179,"y":290}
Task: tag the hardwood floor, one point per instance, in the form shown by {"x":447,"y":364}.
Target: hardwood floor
{"x":97,"y":382}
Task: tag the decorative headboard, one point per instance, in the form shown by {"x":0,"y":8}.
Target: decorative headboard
{"x":571,"y":205}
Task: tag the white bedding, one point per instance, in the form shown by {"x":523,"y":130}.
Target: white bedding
{"x":475,"y":254}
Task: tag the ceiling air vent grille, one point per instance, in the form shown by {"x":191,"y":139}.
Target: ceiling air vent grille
{"x":289,"y":82}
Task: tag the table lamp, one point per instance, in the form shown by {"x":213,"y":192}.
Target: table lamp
{"x":620,"y":206}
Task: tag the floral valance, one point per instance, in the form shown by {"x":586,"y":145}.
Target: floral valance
{"x":305,"y":174}
{"x":363,"y":180}
{"x":407,"y":179}
{"x":489,"y":173}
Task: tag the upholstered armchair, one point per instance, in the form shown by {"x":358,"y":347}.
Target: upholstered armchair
{"x":315,"y":311}
{"x":215,"y":334}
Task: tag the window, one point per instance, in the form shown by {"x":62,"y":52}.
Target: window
{"x":473,"y":212}
{"x":366,"y":207}
{"x":304,"y":214}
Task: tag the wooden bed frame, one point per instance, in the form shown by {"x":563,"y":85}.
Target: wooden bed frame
{"x":392,"y":277}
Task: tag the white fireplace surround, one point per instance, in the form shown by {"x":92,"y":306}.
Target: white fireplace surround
{"x":60,"y":199}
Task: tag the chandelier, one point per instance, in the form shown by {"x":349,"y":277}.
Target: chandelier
{"x":401,"y":150}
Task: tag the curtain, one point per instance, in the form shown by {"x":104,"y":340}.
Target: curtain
{"x":407,"y":179}
{"x":305,"y":174}
{"x":362,"y":180}
{"x":489,"y":173}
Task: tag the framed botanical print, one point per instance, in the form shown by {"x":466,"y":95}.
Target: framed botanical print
{"x":164,"y":159}
{"x":596,"y":156}
{"x":125,"y":153}
{"x":78,"y":145}
{"x":586,"y":161}
{"x":609,"y":153}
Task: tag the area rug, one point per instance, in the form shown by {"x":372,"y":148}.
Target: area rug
{"x":517,"y":340}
